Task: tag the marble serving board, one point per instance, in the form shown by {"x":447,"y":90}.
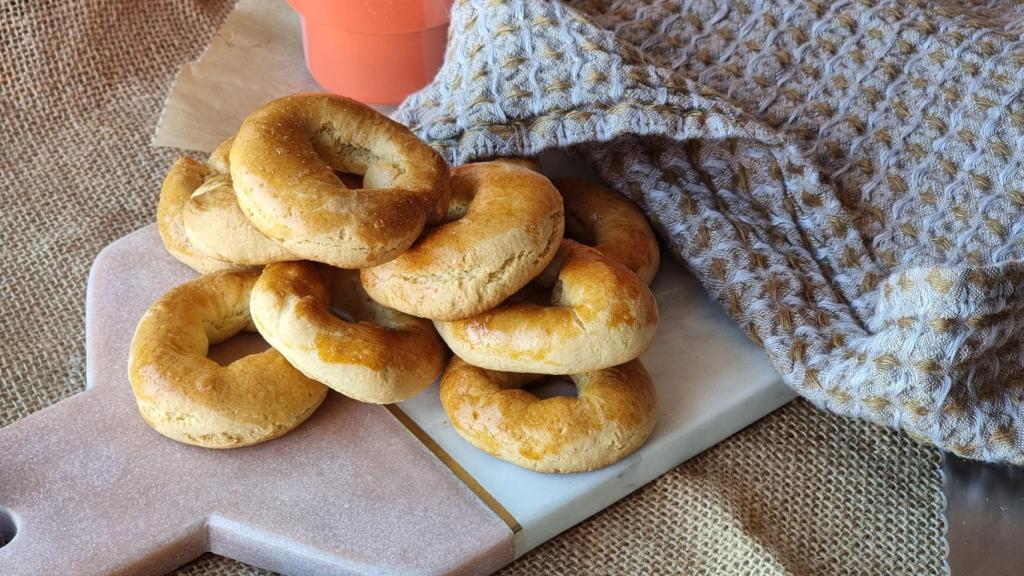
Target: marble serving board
{"x":87,"y":488}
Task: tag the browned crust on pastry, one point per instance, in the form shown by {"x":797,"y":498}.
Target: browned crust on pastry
{"x":505,"y":226}
{"x":215,"y":224}
{"x":283,"y":164}
{"x":613,"y":414}
{"x":184,"y":177}
{"x":600,"y":315}
{"x":598,"y":216}
{"x":380,"y":356}
{"x":187,"y":397}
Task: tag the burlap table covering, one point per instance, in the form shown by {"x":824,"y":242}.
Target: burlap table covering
{"x":801,"y":492}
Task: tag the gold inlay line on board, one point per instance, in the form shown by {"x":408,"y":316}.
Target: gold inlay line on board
{"x":454,"y":466}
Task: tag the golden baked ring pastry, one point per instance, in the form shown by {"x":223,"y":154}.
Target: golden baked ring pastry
{"x":612,"y":415}
{"x":380,"y":356}
{"x":505,"y":225}
{"x":596,"y":215}
{"x":188,"y":397}
{"x":183,"y":179}
{"x":216,"y":225}
{"x":283,"y":164}
{"x":600,"y":315}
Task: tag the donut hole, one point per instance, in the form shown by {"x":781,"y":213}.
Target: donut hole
{"x":540,"y":293}
{"x":552,"y":386}
{"x":534,"y":293}
{"x":8,"y":527}
{"x":354,"y":181}
{"x":463,"y":190}
{"x":338,"y":309}
{"x":576,"y":229}
{"x":347,"y":160}
{"x":238,"y":346}
{"x":347,"y":299}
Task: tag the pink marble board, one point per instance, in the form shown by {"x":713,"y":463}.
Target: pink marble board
{"x":87,"y":488}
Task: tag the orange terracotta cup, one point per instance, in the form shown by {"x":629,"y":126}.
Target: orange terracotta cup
{"x":375,"y":51}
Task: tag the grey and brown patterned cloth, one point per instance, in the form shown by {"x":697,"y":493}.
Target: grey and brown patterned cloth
{"x":803,"y":491}
{"x":844,"y":177}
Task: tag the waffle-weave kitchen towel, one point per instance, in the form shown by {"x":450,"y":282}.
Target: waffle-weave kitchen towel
{"x":844,"y":177}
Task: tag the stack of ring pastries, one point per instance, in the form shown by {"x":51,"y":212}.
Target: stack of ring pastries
{"x":350,"y":246}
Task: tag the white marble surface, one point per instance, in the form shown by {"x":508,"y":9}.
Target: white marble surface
{"x":711,"y":380}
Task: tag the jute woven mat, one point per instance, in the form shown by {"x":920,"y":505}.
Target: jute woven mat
{"x":801,"y":492}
